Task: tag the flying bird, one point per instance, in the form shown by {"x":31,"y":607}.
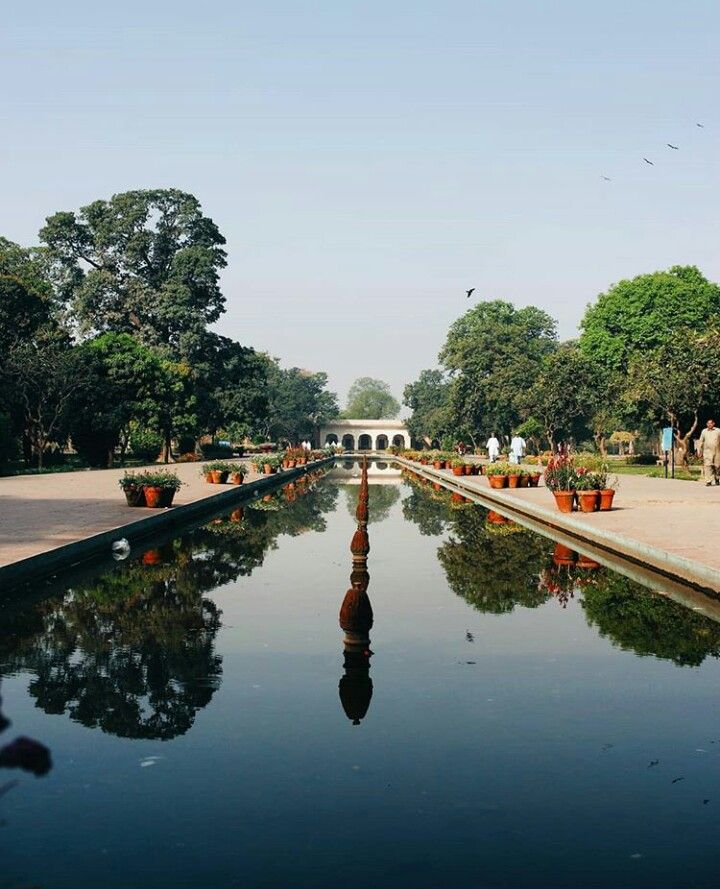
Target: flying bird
{"x":674,"y":147}
{"x":470,"y":292}
{"x":648,"y":162}
{"x":701,"y":125}
{"x":606,"y":178}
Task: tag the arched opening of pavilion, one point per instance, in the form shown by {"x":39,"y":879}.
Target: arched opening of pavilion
{"x":364,"y":442}
{"x":348,"y":442}
{"x":381,"y":443}
{"x":398,"y":441}
{"x":331,"y":439}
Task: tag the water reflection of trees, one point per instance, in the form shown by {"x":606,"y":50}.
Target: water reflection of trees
{"x":430,"y":515}
{"x":133,"y":651}
{"x":384,"y":497}
{"x":493,"y":568}
{"x":647,"y":623}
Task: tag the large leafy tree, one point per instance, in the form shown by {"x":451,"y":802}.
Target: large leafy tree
{"x":494,"y":352}
{"x":566,"y":389}
{"x":677,"y":382}
{"x":124,"y":383}
{"x":429,"y":400}
{"x":637,"y":316}
{"x":46,"y":382}
{"x":144,"y":262}
{"x":371,"y":399}
{"x":299,"y":403}
{"x":233,"y":380}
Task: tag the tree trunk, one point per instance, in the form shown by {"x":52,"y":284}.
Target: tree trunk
{"x":600,"y":442}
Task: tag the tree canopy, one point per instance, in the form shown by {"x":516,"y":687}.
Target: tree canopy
{"x":145,"y":262}
{"x":370,"y":399}
{"x":639,"y":315}
{"x":429,"y":400}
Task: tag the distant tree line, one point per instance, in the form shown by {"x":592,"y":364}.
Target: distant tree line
{"x":105,"y":340}
{"x":647,"y":356}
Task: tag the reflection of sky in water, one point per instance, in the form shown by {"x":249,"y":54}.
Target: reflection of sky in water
{"x":517,"y":759}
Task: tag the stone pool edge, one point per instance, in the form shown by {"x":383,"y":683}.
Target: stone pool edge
{"x":69,"y":554}
{"x":675,"y":568}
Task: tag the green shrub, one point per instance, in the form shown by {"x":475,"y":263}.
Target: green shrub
{"x":641,"y":460}
{"x":146,"y":444}
{"x":216,"y":451}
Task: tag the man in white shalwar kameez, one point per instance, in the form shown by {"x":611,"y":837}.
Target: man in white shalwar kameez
{"x":493,"y":447}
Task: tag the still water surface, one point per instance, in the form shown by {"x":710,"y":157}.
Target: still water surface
{"x":524,"y":721}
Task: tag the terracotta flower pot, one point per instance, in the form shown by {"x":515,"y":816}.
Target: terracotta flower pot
{"x":285,"y":464}
{"x":458,"y":470}
{"x":135,"y":495}
{"x":524,"y":481}
{"x":565,"y":500}
{"x":236,"y":478}
{"x":534,"y":479}
{"x":216,"y":476}
{"x":588,"y":500}
{"x":153,"y":496}
{"x":606,"y":499}
{"x":438,"y":464}
{"x":423,"y":462}
{"x":513,"y":481}
{"x":268,"y":469}
{"x":495,"y":518}
{"x":498,"y":481}
{"x":167,"y":496}
{"x":563,"y":555}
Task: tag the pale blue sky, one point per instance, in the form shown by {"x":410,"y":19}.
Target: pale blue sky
{"x":368,"y":162}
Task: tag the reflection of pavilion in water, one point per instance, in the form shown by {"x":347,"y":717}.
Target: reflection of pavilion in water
{"x":350,"y":471}
{"x":356,"y":619}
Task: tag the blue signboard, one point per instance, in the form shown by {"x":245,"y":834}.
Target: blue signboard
{"x":667,"y":438}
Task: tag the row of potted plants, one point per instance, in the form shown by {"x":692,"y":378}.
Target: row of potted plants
{"x":579,"y":486}
{"x":153,"y":489}
{"x":444,"y":460}
{"x":510,"y":475}
{"x":220,"y":471}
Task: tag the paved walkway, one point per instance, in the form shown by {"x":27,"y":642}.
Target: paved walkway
{"x":679,"y":518}
{"x":41,"y":512}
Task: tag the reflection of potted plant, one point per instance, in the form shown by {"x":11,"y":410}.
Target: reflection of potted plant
{"x":133,"y":487}
{"x":498,"y":474}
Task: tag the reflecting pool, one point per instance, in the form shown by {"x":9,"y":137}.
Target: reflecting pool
{"x":489,"y":709}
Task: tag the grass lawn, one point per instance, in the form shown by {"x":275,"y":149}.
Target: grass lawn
{"x":656,"y":471}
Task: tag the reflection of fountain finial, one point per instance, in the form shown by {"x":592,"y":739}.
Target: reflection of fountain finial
{"x":356,"y":619}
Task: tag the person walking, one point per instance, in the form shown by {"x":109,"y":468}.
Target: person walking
{"x":493,"y":447}
{"x":517,"y":448}
{"x":709,"y":449}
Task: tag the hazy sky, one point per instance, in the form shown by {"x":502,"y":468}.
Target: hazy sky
{"x":368,"y":162}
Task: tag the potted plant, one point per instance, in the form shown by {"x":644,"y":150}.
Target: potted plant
{"x":514,"y":475}
{"x":533,"y":479}
{"x":498,"y":474}
{"x":216,"y":473}
{"x":560,"y":478}
{"x":160,"y":488}
{"x":588,"y":493}
{"x":238,"y":471}
{"x":133,"y":487}
{"x":458,"y":467}
{"x":607,"y":489}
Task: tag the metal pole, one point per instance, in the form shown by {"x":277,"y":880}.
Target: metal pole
{"x":673,"y":452}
